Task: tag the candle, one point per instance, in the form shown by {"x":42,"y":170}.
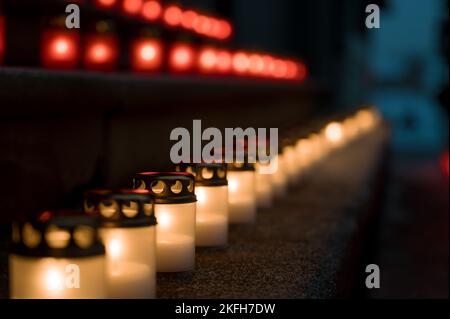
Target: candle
{"x":101,"y":52}
{"x":263,"y":187}
{"x":146,"y":55}
{"x":279,"y":179}
{"x":290,"y":163}
{"x":175,"y":207}
{"x":57,"y":255}
{"x":241,"y":193}
{"x":211,"y":189}
{"x":60,"y":49}
{"x":128,"y":231}
{"x":334,"y":134}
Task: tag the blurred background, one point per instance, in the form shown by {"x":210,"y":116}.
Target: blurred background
{"x":63,"y":132}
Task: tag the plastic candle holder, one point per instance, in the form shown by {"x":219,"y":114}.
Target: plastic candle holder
{"x":175,"y":206}
{"x":211,"y":189}
{"x":241,"y":193}
{"x":129,"y":233}
{"x":55,"y":256}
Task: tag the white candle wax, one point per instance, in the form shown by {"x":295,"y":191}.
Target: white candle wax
{"x":176,"y":252}
{"x":211,"y":230}
{"x":242,"y":197}
{"x":132,"y":276}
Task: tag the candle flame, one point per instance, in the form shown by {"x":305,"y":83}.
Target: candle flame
{"x":115,"y":248}
{"x":54,"y":280}
{"x":232,"y":185}
{"x":163,"y":219}
{"x":333,"y":132}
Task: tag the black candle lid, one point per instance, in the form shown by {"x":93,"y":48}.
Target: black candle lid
{"x":59,"y":234}
{"x":167,"y":187}
{"x":121,"y":208}
{"x":206,"y":174}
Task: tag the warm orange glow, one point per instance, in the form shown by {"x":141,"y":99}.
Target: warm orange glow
{"x":240,"y":62}
{"x":173,"y":16}
{"x":256,"y":64}
{"x":181,"y":57}
{"x":100,"y":52}
{"x":292,"y":70}
{"x":132,"y":6}
{"x":224,"y":61}
{"x":334,"y":132}
{"x":203,"y":25}
{"x":105,"y":3}
{"x":225,"y":29}
{"x":188,"y":19}
{"x":279,"y":69}
{"x":207,"y":59}
{"x":146,"y":55}
{"x":59,"y":49}
{"x":302,"y":72}
{"x":151,"y":10}
{"x":268,"y":65}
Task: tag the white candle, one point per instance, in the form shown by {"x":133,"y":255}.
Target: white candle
{"x":176,"y":253}
{"x":211,"y":216}
{"x":241,"y":197}
{"x":279,"y":179}
{"x":128,"y":279}
{"x":263,"y":190}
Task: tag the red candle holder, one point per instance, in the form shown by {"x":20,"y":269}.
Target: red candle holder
{"x":207,"y":60}
{"x":2,"y":38}
{"x":60,"y":49}
{"x":181,"y":58}
{"x":132,"y":7}
{"x":152,"y":10}
{"x":106,"y":4}
{"x":173,"y":16}
{"x":101,"y":52}
{"x":146,"y":54}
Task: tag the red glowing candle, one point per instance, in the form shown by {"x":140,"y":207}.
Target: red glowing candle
{"x":2,"y":38}
{"x":203,"y":25}
{"x":224,"y":61}
{"x":279,"y":70}
{"x":188,"y":19}
{"x":173,"y":16}
{"x":181,"y":58}
{"x":101,"y":52}
{"x":60,"y":49}
{"x":224,"y":30}
{"x":302,"y":72}
{"x":146,"y":55}
{"x":256,"y":64}
{"x":207,"y":60}
{"x":151,"y":10}
{"x":268,"y":64}
{"x":132,"y":7}
{"x":240,"y":63}
{"x":108,"y":4}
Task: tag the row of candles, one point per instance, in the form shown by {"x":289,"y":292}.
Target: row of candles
{"x":126,"y":236}
{"x":171,"y":15}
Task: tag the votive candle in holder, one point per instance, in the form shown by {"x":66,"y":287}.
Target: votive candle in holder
{"x":279,"y":177}
{"x":211,"y":189}
{"x":175,"y":206}
{"x":263,"y":185}
{"x":128,"y":231}
{"x":57,"y":255}
{"x":241,"y":193}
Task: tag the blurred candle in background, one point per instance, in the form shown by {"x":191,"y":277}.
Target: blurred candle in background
{"x":101,"y":48}
{"x":57,"y":256}
{"x":211,"y":189}
{"x":241,"y":193}
{"x":132,"y":7}
{"x":181,"y":57}
{"x":279,"y":178}
{"x":146,"y":55}
{"x":175,"y":207}
{"x":334,"y":134}
{"x":151,"y":10}
{"x":60,"y":49}
{"x":129,"y":234}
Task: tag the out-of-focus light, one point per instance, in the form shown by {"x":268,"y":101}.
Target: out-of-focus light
{"x":151,"y":10}
{"x":292,"y":70}
{"x":224,"y":61}
{"x":365,"y":119}
{"x":2,"y":38}
{"x":188,"y":19}
{"x":333,"y":132}
{"x":60,"y":49}
{"x":240,"y":62}
{"x":105,"y":3}
{"x":280,"y":69}
{"x":101,"y":52}
{"x":225,"y":29}
{"x":256,"y":64}
{"x":132,"y":6}
{"x":268,"y":65}
{"x":207,"y":59}
{"x":302,"y":72}
{"x":146,"y":55}
{"x":181,"y":57}
{"x":203,"y":25}
{"x":445,"y":164}
{"x":173,"y":16}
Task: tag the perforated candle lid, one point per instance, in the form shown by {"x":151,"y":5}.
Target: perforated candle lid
{"x":206,"y":174}
{"x":59,"y":234}
{"x":121,"y":208}
{"x":167,"y":187}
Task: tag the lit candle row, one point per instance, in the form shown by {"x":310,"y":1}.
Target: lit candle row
{"x":172,"y":16}
{"x":61,"y":49}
